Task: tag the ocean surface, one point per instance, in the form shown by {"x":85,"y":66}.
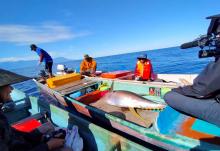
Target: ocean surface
{"x":167,"y":60}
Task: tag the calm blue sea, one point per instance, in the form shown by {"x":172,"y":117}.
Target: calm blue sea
{"x":168,"y":60}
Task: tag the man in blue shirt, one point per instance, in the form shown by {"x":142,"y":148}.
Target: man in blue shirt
{"x":44,"y":57}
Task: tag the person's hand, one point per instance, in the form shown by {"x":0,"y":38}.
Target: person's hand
{"x":92,"y":75}
{"x":137,"y":78}
{"x":55,"y":143}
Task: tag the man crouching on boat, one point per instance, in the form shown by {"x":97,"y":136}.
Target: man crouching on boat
{"x":88,"y":66}
{"x":12,"y":139}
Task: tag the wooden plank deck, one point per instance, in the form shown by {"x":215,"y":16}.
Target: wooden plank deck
{"x":73,"y":86}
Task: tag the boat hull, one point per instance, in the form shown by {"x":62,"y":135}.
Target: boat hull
{"x":94,"y":137}
{"x":174,"y":141}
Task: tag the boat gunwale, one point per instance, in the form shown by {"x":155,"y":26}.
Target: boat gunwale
{"x":149,"y":83}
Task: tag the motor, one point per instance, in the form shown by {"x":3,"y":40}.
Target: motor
{"x":62,"y":69}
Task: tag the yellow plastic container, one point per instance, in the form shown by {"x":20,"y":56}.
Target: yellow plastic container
{"x":62,"y":80}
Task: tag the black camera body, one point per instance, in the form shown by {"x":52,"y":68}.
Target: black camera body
{"x":60,"y":133}
{"x":209,"y":43}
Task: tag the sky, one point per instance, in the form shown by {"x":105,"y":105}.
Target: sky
{"x":72,"y":28}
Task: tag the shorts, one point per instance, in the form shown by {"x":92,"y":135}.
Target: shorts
{"x":48,"y":66}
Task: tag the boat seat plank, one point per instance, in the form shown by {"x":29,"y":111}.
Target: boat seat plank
{"x":72,"y":84}
{"x":76,"y":85}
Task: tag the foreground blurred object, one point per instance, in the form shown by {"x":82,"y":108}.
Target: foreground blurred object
{"x":201,"y":99}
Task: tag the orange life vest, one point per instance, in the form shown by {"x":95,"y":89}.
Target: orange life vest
{"x":144,"y":70}
{"x":86,"y":65}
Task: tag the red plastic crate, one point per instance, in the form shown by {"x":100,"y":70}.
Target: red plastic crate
{"x":91,"y":97}
{"x":27,"y":125}
{"x":115,"y":74}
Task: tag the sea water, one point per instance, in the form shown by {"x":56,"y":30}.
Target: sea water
{"x":168,"y":60}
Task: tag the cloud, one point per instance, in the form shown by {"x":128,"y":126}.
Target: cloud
{"x":45,"y":33}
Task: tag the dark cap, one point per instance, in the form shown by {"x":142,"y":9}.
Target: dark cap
{"x":7,"y":78}
{"x":86,"y":56}
{"x":143,"y":56}
{"x":33,"y":46}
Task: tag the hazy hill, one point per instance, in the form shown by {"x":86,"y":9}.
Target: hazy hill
{"x":29,"y":63}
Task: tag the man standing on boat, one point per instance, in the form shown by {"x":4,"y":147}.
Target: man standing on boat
{"x":143,"y":69}
{"x":12,"y":139}
{"x":88,"y":66}
{"x":44,"y":57}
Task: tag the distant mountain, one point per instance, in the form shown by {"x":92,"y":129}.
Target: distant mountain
{"x":29,"y":63}
{"x":61,"y":60}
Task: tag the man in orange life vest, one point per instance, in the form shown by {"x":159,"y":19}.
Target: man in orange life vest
{"x":143,"y":69}
{"x":88,"y":66}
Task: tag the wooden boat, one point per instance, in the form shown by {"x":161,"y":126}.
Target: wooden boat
{"x":27,"y":116}
{"x":148,"y":127}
